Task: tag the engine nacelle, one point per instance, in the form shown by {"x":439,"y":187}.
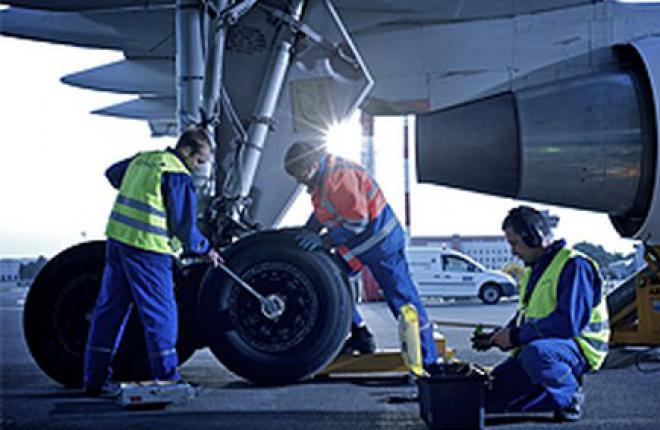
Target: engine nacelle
{"x":589,"y":142}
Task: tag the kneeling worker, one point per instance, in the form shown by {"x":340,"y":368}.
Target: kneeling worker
{"x":154,"y":209}
{"x":560,"y":330}
{"x":363,"y":229}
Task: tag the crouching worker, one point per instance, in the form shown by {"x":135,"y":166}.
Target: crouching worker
{"x":154,"y":210}
{"x":363,"y":229}
{"x":560,"y":330}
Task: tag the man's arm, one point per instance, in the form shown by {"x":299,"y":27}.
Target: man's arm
{"x":115,"y":173}
{"x":578,"y":291}
{"x":181,"y":202}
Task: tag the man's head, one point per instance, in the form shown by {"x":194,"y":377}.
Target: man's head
{"x":302,"y":161}
{"x":527,"y":232}
{"x":194,"y":145}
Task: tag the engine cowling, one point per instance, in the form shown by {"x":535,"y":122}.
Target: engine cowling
{"x":589,"y":142}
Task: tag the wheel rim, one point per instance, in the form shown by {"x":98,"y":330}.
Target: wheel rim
{"x":490,"y":294}
{"x":71,"y":313}
{"x":293,"y":326}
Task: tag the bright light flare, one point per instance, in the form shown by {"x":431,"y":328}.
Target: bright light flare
{"x":344,"y":139}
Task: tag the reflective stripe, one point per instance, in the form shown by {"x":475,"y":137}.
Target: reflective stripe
{"x":131,"y":203}
{"x":593,"y":339}
{"x":138,"y":224}
{"x":568,"y":373}
{"x":99,"y":349}
{"x":355,"y":226}
{"x":596,"y":344}
{"x":374,"y":190}
{"x":373,"y":240}
{"x":595,"y":327}
{"x":163,"y":353}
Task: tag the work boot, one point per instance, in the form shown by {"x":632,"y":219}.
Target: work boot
{"x":573,"y":412}
{"x":109,"y":389}
{"x":360,"y":340}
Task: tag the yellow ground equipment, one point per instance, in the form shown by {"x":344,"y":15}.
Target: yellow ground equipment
{"x":635,"y":306}
{"x":382,"y":361}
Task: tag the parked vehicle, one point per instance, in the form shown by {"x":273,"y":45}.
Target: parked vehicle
{"x":440,"y":272}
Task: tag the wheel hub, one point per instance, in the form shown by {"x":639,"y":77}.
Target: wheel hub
{"x":289,"y":315}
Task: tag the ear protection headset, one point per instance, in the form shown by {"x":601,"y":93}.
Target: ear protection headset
{"x":529,"y":224}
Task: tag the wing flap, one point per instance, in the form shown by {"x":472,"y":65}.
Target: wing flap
{"x":151,"y":76}
{"x":156,"y":109}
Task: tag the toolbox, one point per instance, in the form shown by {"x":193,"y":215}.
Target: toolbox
{"x":452,"y":396}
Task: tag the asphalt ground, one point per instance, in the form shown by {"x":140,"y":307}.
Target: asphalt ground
{"x":623,"y":398}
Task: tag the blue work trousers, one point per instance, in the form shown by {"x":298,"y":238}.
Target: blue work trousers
{"x":133,"y":281}
{"x":543,"y":376}
{"x":392,"y":274}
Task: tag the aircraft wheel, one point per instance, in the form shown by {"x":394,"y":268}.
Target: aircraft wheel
{"x":57,"y":315}
{"x":294,"y":345}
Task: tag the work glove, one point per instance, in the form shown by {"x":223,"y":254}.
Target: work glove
{"x":481,"y":340}
{"x":308,"y":240}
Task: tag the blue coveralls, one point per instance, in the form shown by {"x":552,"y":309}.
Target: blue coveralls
{"x":386,"y":259}
{"x":546,"y":373}
{"x":141,"y":281}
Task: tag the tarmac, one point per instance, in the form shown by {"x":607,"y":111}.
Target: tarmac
{"x":622,"y":398}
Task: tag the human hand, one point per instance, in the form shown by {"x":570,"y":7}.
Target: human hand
{"x":308,"y":240}
{"x":482,"y":341}
{"x":215,"y":257}
{"x":502,"y":339}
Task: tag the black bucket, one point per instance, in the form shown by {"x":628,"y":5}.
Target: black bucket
{"x":452,"y":397}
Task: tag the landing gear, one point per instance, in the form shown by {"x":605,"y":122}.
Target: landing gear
{"x":300,"y":341}
{"x":295,"y":339}
{"x":57,"y":315}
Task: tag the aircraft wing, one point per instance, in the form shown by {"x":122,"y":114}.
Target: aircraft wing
{"x":488,"y":80}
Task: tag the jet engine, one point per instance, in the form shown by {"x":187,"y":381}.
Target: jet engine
{"x":589,"y":142}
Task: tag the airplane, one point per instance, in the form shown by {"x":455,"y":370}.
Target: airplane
{"x":553,"y":101}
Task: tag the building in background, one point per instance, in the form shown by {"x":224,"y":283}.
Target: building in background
{"x":10,"y":272}
{"x":493,"y":252}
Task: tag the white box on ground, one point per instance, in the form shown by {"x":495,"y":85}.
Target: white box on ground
{"x":155,"y":393}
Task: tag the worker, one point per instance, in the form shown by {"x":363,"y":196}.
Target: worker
{"x":153,"y":214}
{"x":560,"y":330}
{"x":363,"y":229}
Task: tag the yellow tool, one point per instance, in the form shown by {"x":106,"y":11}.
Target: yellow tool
{"x":411,"y":347}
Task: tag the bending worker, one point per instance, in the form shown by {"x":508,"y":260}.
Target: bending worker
{"x":560,"y":330}
{"x":154,"y":210}
{"x":363,"y":229}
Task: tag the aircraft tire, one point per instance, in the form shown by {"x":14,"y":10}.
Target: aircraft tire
{"x":305,"y":338}
{"x":57,"y":314}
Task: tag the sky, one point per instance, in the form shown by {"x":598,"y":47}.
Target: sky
{"x":53,"y":193}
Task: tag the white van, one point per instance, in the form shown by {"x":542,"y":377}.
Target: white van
{"x":440,"y":272}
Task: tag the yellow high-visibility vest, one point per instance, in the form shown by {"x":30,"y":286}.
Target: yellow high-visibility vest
{"x":139,"y":215}
{"x":593,"y":340}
